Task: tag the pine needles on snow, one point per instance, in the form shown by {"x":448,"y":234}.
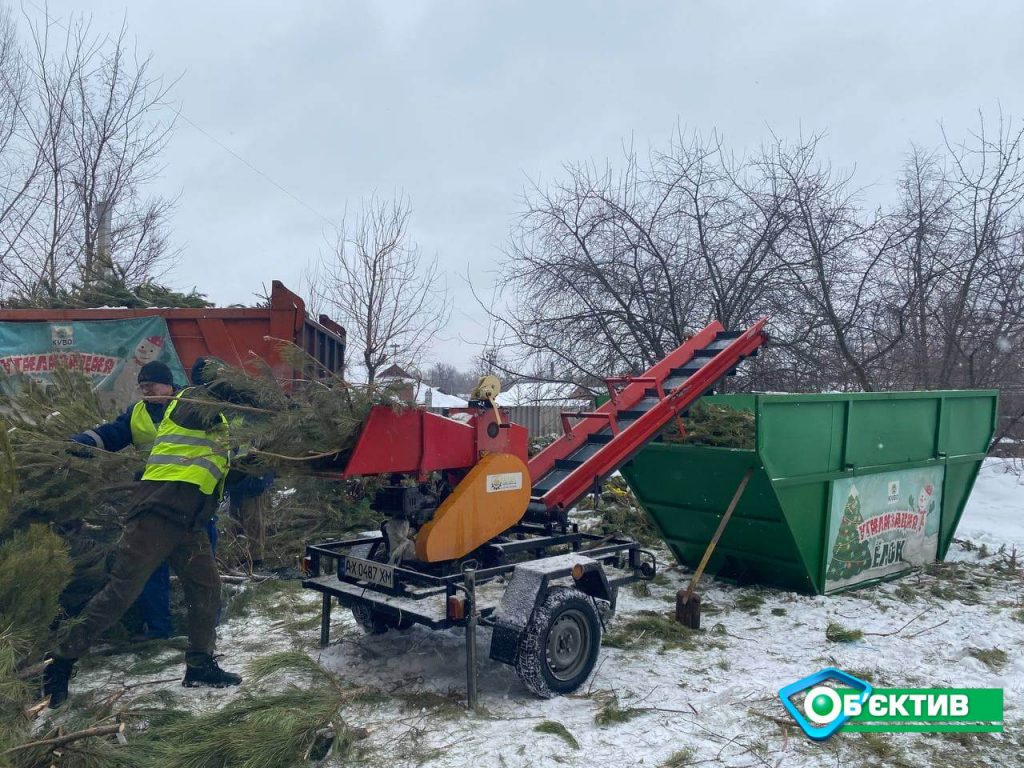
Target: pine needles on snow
{"x":620,"y":512}
{"x":291,"y":713}
{"x":555,"y":728}
{"x":272,"y":726}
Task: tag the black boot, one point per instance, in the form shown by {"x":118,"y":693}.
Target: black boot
{"x":206,"y":672}
{"x":55,"y":678}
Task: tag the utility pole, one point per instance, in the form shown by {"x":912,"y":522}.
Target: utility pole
{"x":104,"y":209}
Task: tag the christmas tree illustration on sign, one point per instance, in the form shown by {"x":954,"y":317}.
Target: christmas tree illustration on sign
{"x":850,"y":555}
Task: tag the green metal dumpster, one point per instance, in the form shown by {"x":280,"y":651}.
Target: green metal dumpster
{"x":847,"y":489}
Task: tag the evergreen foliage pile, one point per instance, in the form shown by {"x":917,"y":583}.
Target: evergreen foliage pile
{"x":620,"y":513}
{"x":62,"y":506}
{"x":291,"y":713}
{"x":109,"y":292}
{"x":716,"y":425}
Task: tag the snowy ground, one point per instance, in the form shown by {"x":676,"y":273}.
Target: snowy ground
{"x":714,"y":703}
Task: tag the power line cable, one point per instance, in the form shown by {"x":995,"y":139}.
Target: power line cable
{"x":256,"y":170}
{"x":265,"y":176}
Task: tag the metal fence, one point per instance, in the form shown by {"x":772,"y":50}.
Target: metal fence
{"x":539,"y":420}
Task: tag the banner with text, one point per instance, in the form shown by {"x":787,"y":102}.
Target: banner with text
{"x":109,"y":352}
{"x":882,"y":524}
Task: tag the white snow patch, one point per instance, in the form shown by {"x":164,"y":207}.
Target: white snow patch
{"x":994,"y":515}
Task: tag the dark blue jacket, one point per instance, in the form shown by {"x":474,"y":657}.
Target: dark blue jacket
{"x":117,"y":434}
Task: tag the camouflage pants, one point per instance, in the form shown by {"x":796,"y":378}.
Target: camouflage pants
{"x":148,"y":540}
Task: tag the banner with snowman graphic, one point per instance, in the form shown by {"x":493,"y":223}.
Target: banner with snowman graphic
{"x":109,"y":352}
{"x":882,"y":524}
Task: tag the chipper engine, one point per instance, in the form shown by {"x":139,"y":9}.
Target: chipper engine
{"x":478,"y":533}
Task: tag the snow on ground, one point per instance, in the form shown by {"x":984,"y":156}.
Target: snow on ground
{"x":714,"y":704}
{"x":995,"y":512}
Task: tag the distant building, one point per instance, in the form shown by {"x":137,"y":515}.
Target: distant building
{"x":405,"y":384}
{"x":546,"y":393}
{"x":415,"y":391}
{"x":395,"y":371}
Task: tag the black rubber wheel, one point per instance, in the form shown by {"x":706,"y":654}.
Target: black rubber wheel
{"x":377,"y":623}
{"x":559,"y":647}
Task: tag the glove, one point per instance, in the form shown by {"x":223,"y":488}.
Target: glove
{"x":249,"y":487}
{"x":79,"y":449}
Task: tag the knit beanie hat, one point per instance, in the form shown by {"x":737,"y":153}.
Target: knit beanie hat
{"x":156,"y":373}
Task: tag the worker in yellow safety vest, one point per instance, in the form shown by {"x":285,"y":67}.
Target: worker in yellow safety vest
{"x":137,"y":426}
{"x":177,"y":496}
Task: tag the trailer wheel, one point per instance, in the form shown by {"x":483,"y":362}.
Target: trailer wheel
{"x":559,"y":647}
{"x":377,"y":623}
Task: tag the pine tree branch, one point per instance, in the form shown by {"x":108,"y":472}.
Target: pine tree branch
{"x":312,"y":457}
{"x":59,"y":741}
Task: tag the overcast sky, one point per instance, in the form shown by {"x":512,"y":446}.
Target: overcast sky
{"x":460,"y":104}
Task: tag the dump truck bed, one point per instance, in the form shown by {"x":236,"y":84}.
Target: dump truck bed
{"x":233,"y":334}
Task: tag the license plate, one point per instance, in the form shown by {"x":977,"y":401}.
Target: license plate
{"x":367,"y":570}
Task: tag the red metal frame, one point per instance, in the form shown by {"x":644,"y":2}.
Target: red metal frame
{"x":627,"y":397}
{"x":613,"y":393}
{"x":630,"y":440}
{"x":416,"y":441}
{"x":567,"y":428}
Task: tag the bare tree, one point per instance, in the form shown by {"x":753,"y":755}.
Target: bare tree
{"x":608,"y":271}
{"x":449,"y":379}
{"x":831,"y":253}
{"x":986,"y":179}
{"x":392,"y":302}
{"x":89,"y":136}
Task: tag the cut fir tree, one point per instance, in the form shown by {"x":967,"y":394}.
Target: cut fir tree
{"x":850,"y":555}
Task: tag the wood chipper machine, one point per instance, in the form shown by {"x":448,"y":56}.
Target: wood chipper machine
{"x":478,"y":533}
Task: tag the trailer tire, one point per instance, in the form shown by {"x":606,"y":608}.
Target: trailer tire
{"x":377,"y":623}
{"x":559,"y":647}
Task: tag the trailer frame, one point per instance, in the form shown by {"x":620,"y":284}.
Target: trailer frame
{"x":536,"y":558}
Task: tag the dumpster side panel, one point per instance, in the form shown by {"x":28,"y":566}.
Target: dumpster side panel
{"x":803,"y":507}
{"x":969,"y":421}
{"x":960,"y":477}
{"x":234,"y":334}
{"x":890,"y":432}
{"x":686,"y":489}
{"x":800,"y":438}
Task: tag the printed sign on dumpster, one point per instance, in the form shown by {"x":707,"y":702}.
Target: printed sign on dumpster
{"x":882,"y":524}
{"x":109,"y":352}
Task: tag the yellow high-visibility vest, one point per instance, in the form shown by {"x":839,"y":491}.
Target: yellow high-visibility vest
{"x":143,"y":428}
{"x":197,"y":456}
